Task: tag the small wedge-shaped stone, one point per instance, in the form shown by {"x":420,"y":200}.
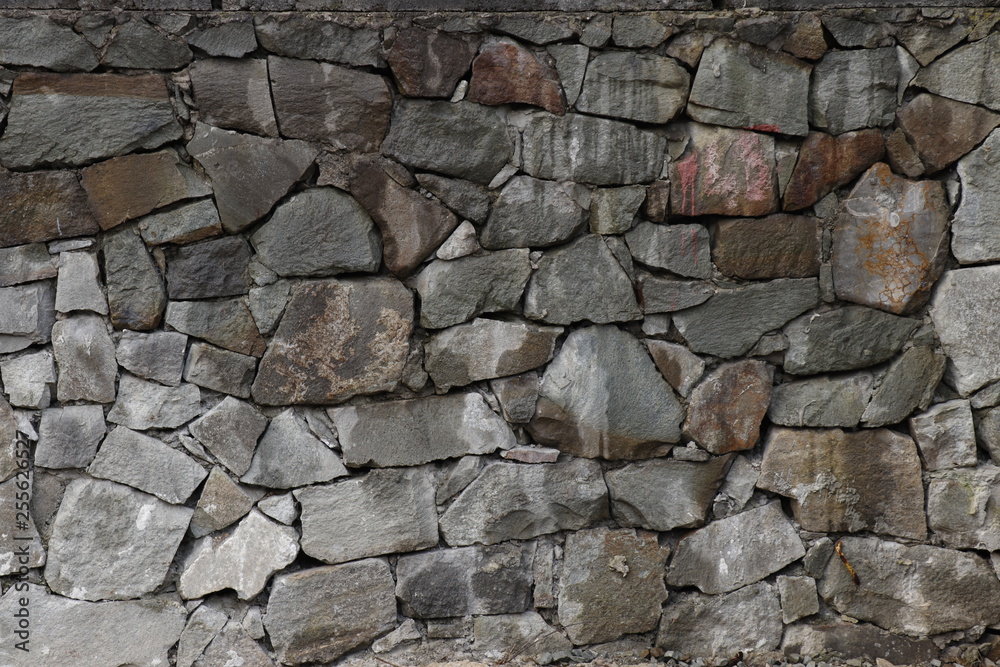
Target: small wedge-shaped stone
{"x":157,"y":356}
{"x":383,"y":512}
{"x":220,"y":370}
{"x":27,"y":314}
{"x":681,"y":249}
{"x":733,"y":552}
{"x":234,"y":94}
{"x":41,"y":206}
{"x":230,"y":431}
{"x":221,"y":503}
{"x":416,"y":431}
{"x":184,"y":224}
{"x":666,"y":294}
{"x":513,"y":501}
{"x":231,"y":40}
{"x":908,"y":385}
{"x":726,"y":409}
{"x":27,"y":263}
{"x":853,"y":90}
{"x":111,"y":542}
{"x":136,"y":293}
{"x":289,"y":456}
{"x":826,"y":163}
{"x":970,"y":73}
{"x":243,"y":558}
{"x":85,"y":355}
{"x":79,"y":286}
{"x":778,"y":246}
{"x":429,"y":63}
{"x":143,"y":405}
{"x":508,"y":73}
{"x":974,"y":239}
{"x":942,"y":130}
{"x":534,"y":213}
{"x":962,"y":507}
{"x":147,"y":464}
{"x":227,"y":323}
{"x":870,"y":481}
{"x":822,"y":401}
{"x":635,"y":86}
{"x":966,"y":315}
{"x":945,"y":435}
{"x":678,"y":365}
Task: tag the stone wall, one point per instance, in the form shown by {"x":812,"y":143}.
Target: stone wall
{"x":411,"y":336}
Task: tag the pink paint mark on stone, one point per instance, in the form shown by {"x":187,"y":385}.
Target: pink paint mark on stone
{"x":688,"y":171}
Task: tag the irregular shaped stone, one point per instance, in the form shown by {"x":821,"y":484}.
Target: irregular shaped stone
{"x":966,"y":318}
{"x":726,"y":408}
{"x":901,"y":155}
{"x":68,"y":436}
{"x":826,"y":163}
{"x":798,"y":598}
{"x":535,"y":213}
{"x":429,"y":63}
{"x":382,"y":512}
{"x":495,"y":635}
{"x":508,"y":73}
{"x":73,"y":119}
{"x":967,"y":74}
{"x":320,"y":613}
{"x":143,"y":405}
{"x":822,"y":401}
{"x":857,"y":639}
{"x":852,"y":90}
{"x":612,"y":210}
{"x":227,"y":323}
{"x":665,"y":494}
{"x":85,"y":355}
{"x":571,"y":64}
{"x":847,"y":482}
{"x":908,"y":385}
{"x":111,"y":542}
{"x":844,"y":339}
{"x":41,"y":206}
{"x":724,"y":172}
{"x":79,"y":286}
{"x":157,"y":356}
{"x":592,"y":150}
{"x":664,"y":294}
{"x":208,"y":269}
{"x":28,"y":379}
{"x":945,"y":436}
{"x":466,"y":198}
{"x":337,"y":339}
{"x":280,"y":508}
{"x":21,"y":547}
{"x":138,"y":45}
{"x":147,"y":464}
{"x":961,"y":507}
{"x":412,"y":432}
{"x":680,"y":249}
{"x":517,"y":396}
{"x":230,"y":431}
{"x":938,"y":589}
{"x":455,"y":291}
{"x":318,"y":38}
{"x":973,"y":239}
{"x":249,"y":174}
{"x":807,"y":40}
{"x":554,"y":295}
{"x":234,"y":94}
{"x":222,"y":502}
{"x":942,"y":130}
{"x":642,"y":87}
{"x":463,"y":139}
{"x":10,"y":442}
{"x":778,"y":246}
{"x":461,"y":243}
{"x":231,"y":40}
{"x":27,"y":263}
{"x":637,"y":30}
{"x":289,"y":456}
{"x":678,"y":365}
{"x":136,"y":294}
{"x":733,"y":320}
{"x":27,"y":313}
{"x":220,"y":370}
{"x":38,"y":41}
{"x":234,"y":644}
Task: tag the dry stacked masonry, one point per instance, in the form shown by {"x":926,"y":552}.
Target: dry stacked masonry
{"x":446,"y":335}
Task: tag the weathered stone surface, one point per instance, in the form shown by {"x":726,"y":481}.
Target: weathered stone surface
{"x":234,"y":644}
{"x":318,"y":38}
{"x":41,"y":206}
{"x":852,"y":90}
{"x":147,"y":464}
{"x":508,"y":73}
{"x":806,"y":39}
{"x":79,"y":287}
{"x":870,"y":480}
{"x":467,"y":199}
{"x":612,"y":210}
{"x":678,"y":365}
{"x":584,"y":149}
{"x":337,"y":339}
{"x":72,"y":119}
{"x":554,"y":295}
{"x":456,"y":291}
{"x":521,"y":501}
{"x":382,"y":512}
{"x":412,"y":226}
{"x":664,"y":294}
{"x":665,"y":494}
{"x":495,"y":635}
{"x":973,"y":238}
{"x":208,"y":269}
{"x":227,"y":323}
{"x":603,"y":398}
{"x":798,"y":598}
{"x":611,"y":584}
{"x":143,"y":405}
{"x":724,"y":172}
{"x":111,"y":542}
{"x":21,"y":547}
{"x":27,"y":313}
{"x":844,"y":339}
{"x":28,"y":379}
{"x":68,"y":436}
{"x":733,"y":320}
{"x":822,"y":401}
{"x":945,"y":435}
{"x":289,"y":456}
{"x":464,"y":139}
{"x":642,"y":87}
{"x":571,"y":64}
{"x":942,"y":130}
{"x":220,"y":370}
{"x":538,"y":28}
{"x":681,"y":249}
{"x":967,"y":74}
{"x":412,"y":432}
{"x":27,"y":263}
{"x":139,"y":45}
{"x":230,"y":431}
{"x":136,"y":294}
{"x":130,"y":186}
{"x":85,"y":355}
{"x":966,"y":316}
{"x":778,"y":246}
{"x":637,"y":30}
{"x":517,"y":396}
{"x":462,"y":243}
{"x":726,"y":408}
{"x":859,"y":639}
{"x":157,"y":356}
{"x":908,"y":385}
{"x":280,"y":508}
{"x":249,"y":174}
{"x":234,"y":94}
{"x":107,"y":633}
{"x":826,"y":163}
{"x":243,"y":558}
{"x":535,"y":213}
{"x":961,"y":507}
{"x":231,"y":40}
{"x":890,"y":241}
{"x":429,"y":63}
{"x":901,"y":155}
{"x":321,"y":613}
{"x":221,"y":503}
{"x":8,"y":440}
{"x":38,"y":41}
{"x":749,"y":618}
{"x":467,"y":580}
{"x":730,"y":76}
{"x":938,"y":589}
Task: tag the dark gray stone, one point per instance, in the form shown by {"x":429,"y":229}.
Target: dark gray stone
{"x":681,"y":249}
{"x":290,"y":456}
{"x":467,"y":199}
{"x":664,"y":294}
{"x":968,"y":74}
{"x":230,"y":431}
{"x":973,"y":240}
{"x":226,"y":322}
{"x":234,"y":94}
{"x":143,"y":405}
{"x":156,"y":356}
{"x":27,"y":313}
{"x":136,"y":294}
{"x":822,"y":401}
{"x":852,"y":90}
{"x":68,"y":436}
{"x":318,"y":38}
{"x":534,"y":213}
{"x":220,"y":370}
{"x":635,"y":86}
{"x":38,"y":41}
{"x":908,"y":385}
{"x":27,"y":263}
{"x":85,"y":355}
{"x":79,"y":284}
{"x":208,"y":269}
{"x":28,"y":379}
{"x":139,"y":45}
{"x":221,"y":503}
{"x":231,"y":40}
{"x":42,"y":206}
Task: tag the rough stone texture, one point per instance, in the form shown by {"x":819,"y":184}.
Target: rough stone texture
{"x":41,"y":206}
{"x":136,"y":294}
{"x":822,"y":401}
{"x":853,"y":90}
{"x":943,"y":130}
{"x":571,"y":64}
{"x":945,"y":435}
{"x":317,"y":38}
{"x":234,"y":94}
{"x":227,"y":323}
{"x":603,"y":398}
{"x":242,"y":559}
{"x":28,"y":379}
{"x":429,"y":63}
{"x":156,"y":356}
{"x":554,"y":295}
{"x":455,"y":291}
{"x":221,"y":503}
{"x":337,"y":339}
{"x":220,"y":370}
{"x":908,"y":385}
{"x":143,"y":405}
{"x":467,"y":199}
{"x":935,"y":590}
{"x":27,"y":263}
{"x":844,"y":339}
{"x":967,"y":74}
{"x":233,"y":39}
{"x":230,"y":431}
{"x":730,"y":77}
{"x":517,"y":396}
{"x":592,"y":150}
{"x":680,"y":249}
{"x":289,"y":456}
{"x":402,"y":433}
{"x":641,"y":87}
{"x":826,"y":163}
{"x":208,"y":269}
{"x":111,"y":542}
{"x":966,"y":317}
{"x":857,"y":639}
{"x":185,"y":224}
{"x":867,"y":480}
{"x":724,"y":172}
{"x":778,"y":246}
{"x":468,"y":580}
{"x":798,"y":598}
{"x":725,"y":410}
{"x":204,"y":623}
{"x":320,"y":613}
{"x":612,"y":210}
{"x":665,"y":294}
{"x":961,"y":507}
{"x":733,"y":320}
{"x":85,"y":355}
{"x":973,"y":238}
{"x":27,"y":314}
{"x":535,"y":213}
{"x":495,"y":635}
{"x":461,"y":243}
{"x":890,"y":241}
{"x":611,"y":584}
{"x":73,"y":119}
{"x":679,"y":366}
{"x":68,"y":436}
{"x":382,"y":512}
{"x":38,"y":41}
{"x":138,"y":45}
{"x":8,"y":440}
{"x":280,"y":508}
{"x":506,"y":73}
{"x":21,"y":547}
{"x":234,"y":644}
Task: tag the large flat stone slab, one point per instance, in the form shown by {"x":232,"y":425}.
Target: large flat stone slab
{"x":147,"y":464}
{"x":973,"y":239}
{"x":966,"y":315}
{"x":635,"y":86}
{"x":43,"y":205}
